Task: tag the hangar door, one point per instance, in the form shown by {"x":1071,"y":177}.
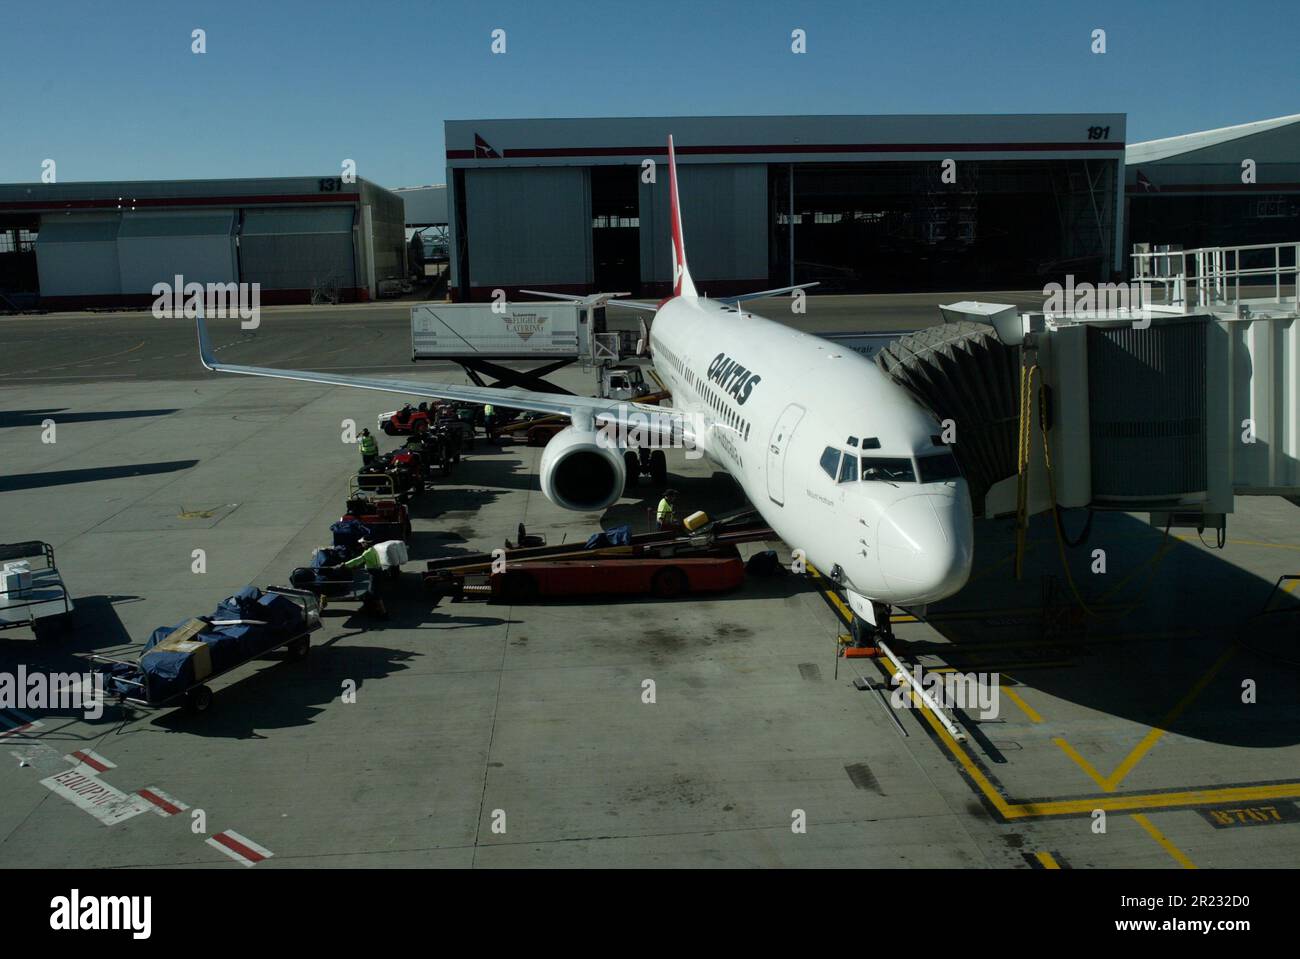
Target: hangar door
{"x":77,"y":255}
{"x":292,"y":249}
{"x":158,"y":247}
{"x":528,"y":226}
{"x":724,"y":219}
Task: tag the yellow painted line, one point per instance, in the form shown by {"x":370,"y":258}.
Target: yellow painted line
{"x":1082,"y":763}
{"x":1291,"y":584}
{"x":1076,"y":807}
{"x":1024,"y":706}
{"x":1047,"y":859}
{"x":1151,"y":738}
{"x":1159,"y":837}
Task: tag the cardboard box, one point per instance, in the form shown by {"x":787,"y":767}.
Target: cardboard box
{"x":199,"y":652}
{"x":16,"y":579}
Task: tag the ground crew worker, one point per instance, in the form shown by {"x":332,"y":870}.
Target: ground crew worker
{"x":666,"y":514}
{"x":369,"y":448}
{"x":370,"y":559}
{"x":489,"y":420}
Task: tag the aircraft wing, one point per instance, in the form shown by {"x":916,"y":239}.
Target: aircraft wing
{"x":664,"y":423}
{"x":733,"y":300}
{"x":596,"y":299}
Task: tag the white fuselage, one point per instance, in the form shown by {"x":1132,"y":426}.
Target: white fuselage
{"x":782,"y":411}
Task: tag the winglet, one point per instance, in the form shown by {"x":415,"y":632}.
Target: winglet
{"x":205,"y":346}
{"x":683,"y":285}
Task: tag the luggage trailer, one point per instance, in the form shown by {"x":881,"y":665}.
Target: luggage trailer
{"x":198,"y":697}
{"x":44,"y":606}
{"x":661,"y":563}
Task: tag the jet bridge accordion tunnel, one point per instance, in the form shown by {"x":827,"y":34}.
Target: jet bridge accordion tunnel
{"x":1173,"y":416}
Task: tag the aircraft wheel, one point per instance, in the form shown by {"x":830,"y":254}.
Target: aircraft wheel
{"x":633,"y":469}
{"x":198,"y":699}
{"x":659,"y":468}
{"x":668,"y":583}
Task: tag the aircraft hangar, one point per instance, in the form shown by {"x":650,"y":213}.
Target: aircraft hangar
{"x":303,"y":239}
{"x":1231,"y":186}
{"x":856,"y":203}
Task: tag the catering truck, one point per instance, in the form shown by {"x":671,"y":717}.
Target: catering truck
{"x":492,"y":339}
{"x":500,"y":331}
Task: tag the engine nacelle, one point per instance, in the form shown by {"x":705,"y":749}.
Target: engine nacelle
{"x":580,"y":472}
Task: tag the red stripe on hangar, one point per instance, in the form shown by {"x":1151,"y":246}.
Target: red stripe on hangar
{"x":811,"y":148}
{"x":149,"y":202}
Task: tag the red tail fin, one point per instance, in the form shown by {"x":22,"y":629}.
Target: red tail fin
{"x":683,"y":285}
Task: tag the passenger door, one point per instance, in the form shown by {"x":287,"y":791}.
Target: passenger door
{"x":776,"y":448}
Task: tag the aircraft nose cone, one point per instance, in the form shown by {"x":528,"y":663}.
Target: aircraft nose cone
{"x":925,"y":546}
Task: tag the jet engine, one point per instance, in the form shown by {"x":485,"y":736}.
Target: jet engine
{"x":581,"y":472}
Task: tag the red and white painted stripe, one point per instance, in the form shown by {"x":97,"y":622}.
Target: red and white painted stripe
{"x":20,"y":724}
{"x":239,"y":848}
{"x":163,"y":804}
{"x":85,"y":757}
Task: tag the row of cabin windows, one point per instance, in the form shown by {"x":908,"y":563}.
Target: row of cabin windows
{"x":729,"y":416}
{"x":845,"y":467}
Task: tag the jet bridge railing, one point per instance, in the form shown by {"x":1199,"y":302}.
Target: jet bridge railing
{"x":1212,"y":277}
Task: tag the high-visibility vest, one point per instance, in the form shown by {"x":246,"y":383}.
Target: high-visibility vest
{"x":370,"y":559}
{"x":369,"y":446}
{"x":665,"y":511}
{"x":488,"y":410}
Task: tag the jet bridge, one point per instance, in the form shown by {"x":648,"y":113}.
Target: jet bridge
{"x":1170,"y":395}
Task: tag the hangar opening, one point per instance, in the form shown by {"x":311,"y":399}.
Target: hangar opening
{"x":856,"y":203}
{"x":105,"y":245}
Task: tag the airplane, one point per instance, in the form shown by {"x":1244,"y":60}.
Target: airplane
{"x":838,"y":459}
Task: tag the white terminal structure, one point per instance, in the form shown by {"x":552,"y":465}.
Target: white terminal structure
{"x":1170,"y":395}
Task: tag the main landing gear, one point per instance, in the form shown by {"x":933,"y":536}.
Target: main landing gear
{"x":645,"y":462}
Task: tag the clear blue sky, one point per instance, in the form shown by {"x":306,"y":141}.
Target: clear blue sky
{"x":110,"y":89}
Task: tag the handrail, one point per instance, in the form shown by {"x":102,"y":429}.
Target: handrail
{"x":1209,"y":276}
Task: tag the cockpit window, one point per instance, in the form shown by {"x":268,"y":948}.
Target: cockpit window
{"x":871,"y":443}
{"x":849,"y":469}
{"x":938,"y":467}
{"x":831,"y":461}
{"x":892,"y":469}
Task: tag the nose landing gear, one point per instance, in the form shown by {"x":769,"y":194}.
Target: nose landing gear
{"x":864,"y":631}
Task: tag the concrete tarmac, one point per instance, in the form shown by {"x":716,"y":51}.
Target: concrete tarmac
{"x":497,"y":735}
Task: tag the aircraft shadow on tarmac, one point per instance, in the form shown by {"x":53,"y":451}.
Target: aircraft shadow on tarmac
{"x":60,"y":415}
{"x":446,"y":502}
{"x":498,"y":473}
{"x":23,"y":481}
{"x":1159,"y":625}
